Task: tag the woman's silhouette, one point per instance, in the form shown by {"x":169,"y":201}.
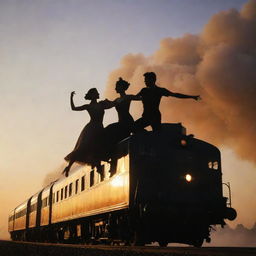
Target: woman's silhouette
{"x":87,"y":148}
{"x":118,"y":131}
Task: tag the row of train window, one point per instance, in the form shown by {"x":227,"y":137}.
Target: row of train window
{"x":32,"y":208}
{"x":213,"y":165}
{"x":67,"y":191}
{"x":23,"y":212}
{"x":62,"y":194}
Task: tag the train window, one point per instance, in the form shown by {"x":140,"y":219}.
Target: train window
{"x":83,"y":183}
{"x":102,"y":174}
{"x":57,"y":196}
{"x":215,"y":165}
{"x":21,"y":213}
{"x":70,"y":189}
{"x":77,"y":184}
{"x":44,"y":202}
{"x":91,"y":178}
{"x":61,"y":194}
{"x":33,"y":207}
{"x":66,"y":191}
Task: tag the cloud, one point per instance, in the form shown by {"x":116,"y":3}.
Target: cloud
{"x":220,"y":65}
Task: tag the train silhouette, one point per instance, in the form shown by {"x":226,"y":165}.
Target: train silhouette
{"x":162,"y":186}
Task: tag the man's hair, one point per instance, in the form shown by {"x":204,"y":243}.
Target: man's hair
{"x":150,"y":75}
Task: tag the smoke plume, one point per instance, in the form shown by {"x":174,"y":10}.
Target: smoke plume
{"x":220,"y":65}
{"x":237,"y":237}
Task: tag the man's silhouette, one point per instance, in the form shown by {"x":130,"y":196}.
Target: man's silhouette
{"x":151,"y":96}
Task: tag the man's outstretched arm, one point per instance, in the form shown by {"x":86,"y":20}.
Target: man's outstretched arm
{"x":183,"y":96}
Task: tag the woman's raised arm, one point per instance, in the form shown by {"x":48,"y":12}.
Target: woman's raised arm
{"x":73,"y":107}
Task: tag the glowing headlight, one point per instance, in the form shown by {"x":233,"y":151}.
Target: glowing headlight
{"x":188,"y":178}
{"x":183,"y":142}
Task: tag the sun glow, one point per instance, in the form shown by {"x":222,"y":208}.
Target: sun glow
{"x":117,"y":181}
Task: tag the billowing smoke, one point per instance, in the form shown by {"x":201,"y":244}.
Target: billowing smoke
{"x":220,"y":65}
{"x":238,"y":237}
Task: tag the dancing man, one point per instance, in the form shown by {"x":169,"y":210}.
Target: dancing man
{"x":151,"y":96}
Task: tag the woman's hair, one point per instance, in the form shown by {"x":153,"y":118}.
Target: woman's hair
{"x":122,"y":84}
{"x":90,"y":93}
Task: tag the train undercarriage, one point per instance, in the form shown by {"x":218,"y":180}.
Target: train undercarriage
{"x":119,"y":228}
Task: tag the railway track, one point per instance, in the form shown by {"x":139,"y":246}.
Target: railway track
{"x":10,"y":248}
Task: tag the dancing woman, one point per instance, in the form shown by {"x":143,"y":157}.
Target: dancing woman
{"x":118,"y":131}
{"x":88,"y":144}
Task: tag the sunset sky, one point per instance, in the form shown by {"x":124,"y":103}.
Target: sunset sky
{"x":52,"y":47}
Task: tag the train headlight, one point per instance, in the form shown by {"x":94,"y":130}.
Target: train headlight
{"x":183,"y":142}
{"x":188,"y":178}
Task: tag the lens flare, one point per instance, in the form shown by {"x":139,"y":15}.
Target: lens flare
{"x":188,"y":178}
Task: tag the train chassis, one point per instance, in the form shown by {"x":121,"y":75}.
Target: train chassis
{"x":115,"y":228}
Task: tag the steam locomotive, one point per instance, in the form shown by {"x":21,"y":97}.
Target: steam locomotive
{"x":162,"y":186}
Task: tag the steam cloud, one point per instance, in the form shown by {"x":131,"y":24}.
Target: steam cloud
{"x":220,"y":65}
{"x":238,"y":237}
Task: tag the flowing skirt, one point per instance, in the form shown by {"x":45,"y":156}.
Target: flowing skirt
{"x":88,"y":147}
{"x":113,"y":134}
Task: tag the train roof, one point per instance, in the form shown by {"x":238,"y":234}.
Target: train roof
{"x":169,"y":131}
{"x":21,"y":206}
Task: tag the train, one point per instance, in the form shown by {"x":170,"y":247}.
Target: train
{"x":163,"y":186}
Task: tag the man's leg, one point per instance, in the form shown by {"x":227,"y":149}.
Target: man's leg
{"x":156,"y":123}
{"x":140,"y":124}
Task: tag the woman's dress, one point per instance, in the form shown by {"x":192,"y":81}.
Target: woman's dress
{"x":116,"y":132}
{"x":87,"y":148}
